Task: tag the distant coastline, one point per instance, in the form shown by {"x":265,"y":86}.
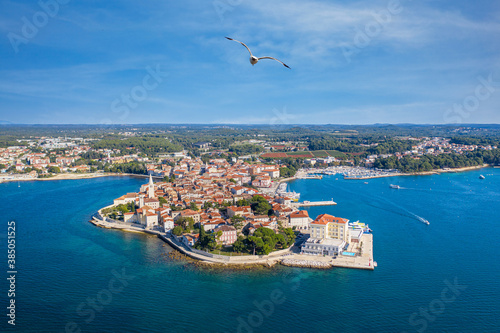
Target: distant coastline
{"x":73,"y":176}
{"x":427,"y":173}
{"x":424,"y":173}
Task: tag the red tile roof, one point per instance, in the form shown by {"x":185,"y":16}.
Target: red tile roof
{"x":300,"y":213}
{"x":327,"y":218}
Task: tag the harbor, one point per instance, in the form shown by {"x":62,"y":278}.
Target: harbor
{"x":282,"y":191}
{"x":310,"y":177}
{"x":349,"y":172}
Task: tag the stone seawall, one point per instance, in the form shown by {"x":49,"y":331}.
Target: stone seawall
{"x":305,"y":263}
{"x":285,"y":257}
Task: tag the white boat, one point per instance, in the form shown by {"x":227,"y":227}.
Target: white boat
{"x":360,"y":226}
{"x":481,"y":177}
{"x":395,"y":186}
{"x":422,"y":219}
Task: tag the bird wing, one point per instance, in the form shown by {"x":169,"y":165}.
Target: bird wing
{"x":276,"y":60}
{"x":241,"y":44}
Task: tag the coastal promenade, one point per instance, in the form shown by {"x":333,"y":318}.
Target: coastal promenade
{"x":287,"y":257}
{"x":270,"y":260}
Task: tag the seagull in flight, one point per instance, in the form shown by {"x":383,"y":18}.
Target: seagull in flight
{"x":254,"y":59}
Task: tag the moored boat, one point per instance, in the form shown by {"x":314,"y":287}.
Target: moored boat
{"x":360,"y":226}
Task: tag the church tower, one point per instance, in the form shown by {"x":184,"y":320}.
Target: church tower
{"x":151,"y":187}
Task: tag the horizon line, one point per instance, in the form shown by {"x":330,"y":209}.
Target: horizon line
{"x":243,"y":124}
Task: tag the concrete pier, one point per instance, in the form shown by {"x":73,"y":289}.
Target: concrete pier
{"x":314,"y":203}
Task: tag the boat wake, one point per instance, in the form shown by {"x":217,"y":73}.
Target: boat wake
{"x":420,"y":218}
{"x":397,"y":209}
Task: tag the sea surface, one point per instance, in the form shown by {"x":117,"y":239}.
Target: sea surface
{"x":442,"y":277}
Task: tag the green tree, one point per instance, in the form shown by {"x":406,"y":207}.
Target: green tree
{"x":163,"y":201}
{"x":202,"y":242}
{"x":242,"y":202}
{"x":187,"y":223}
{"x":287,"y":172}
{"x":131,"y":206}
{"x":260,"y":205}
{"x":217,"y":236}
{"x":122,"y":208}
{"x":193,"y":206}
{"x":289,"y":236}
{"x":237,"y":221}
{"x":239,"y":245}
{"x":54,"y":169}
{"x":265,"y":250}
{"x":280,"y":239}
{"x":256,"y":243}
{"x":177,"y":230}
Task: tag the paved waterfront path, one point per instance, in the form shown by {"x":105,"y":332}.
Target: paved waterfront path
{"x":287,"y":258}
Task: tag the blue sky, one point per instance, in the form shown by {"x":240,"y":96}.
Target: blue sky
{"x":353,"y":62}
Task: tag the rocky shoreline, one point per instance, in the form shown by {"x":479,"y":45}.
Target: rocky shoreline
{"x":306,"y":263}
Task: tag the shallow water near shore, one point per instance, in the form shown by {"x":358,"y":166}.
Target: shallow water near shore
{"x":68,"y":268}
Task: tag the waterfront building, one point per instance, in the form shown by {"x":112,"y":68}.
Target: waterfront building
{"x":147,"y":216}
{"x":299,"y":219}
{"x":329,"y":236}
{"x":124,"y":199}
{"x":328,"y":226}
{"x":319,"y":246}
{"x":189,"y":239}
{"x":229,"y":235}
{"x":129,"y":217}
{"x":151,"y":220}
{"x":168,"y":223}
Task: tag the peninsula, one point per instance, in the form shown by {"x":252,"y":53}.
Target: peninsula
{"x":213,"y":212}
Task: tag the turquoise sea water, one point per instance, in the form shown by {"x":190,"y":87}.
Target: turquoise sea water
{"x":68,"y":268}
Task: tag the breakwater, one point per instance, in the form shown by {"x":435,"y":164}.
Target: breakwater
{"x":314,"y":203}
{"x":305,"y":263}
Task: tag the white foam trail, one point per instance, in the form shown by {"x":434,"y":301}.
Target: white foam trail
{"x":384,"y":200}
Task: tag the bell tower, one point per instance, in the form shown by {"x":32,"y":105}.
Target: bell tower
{"x":151,"y":187}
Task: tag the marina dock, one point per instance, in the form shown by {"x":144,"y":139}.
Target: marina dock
{"x":310,"y":177}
